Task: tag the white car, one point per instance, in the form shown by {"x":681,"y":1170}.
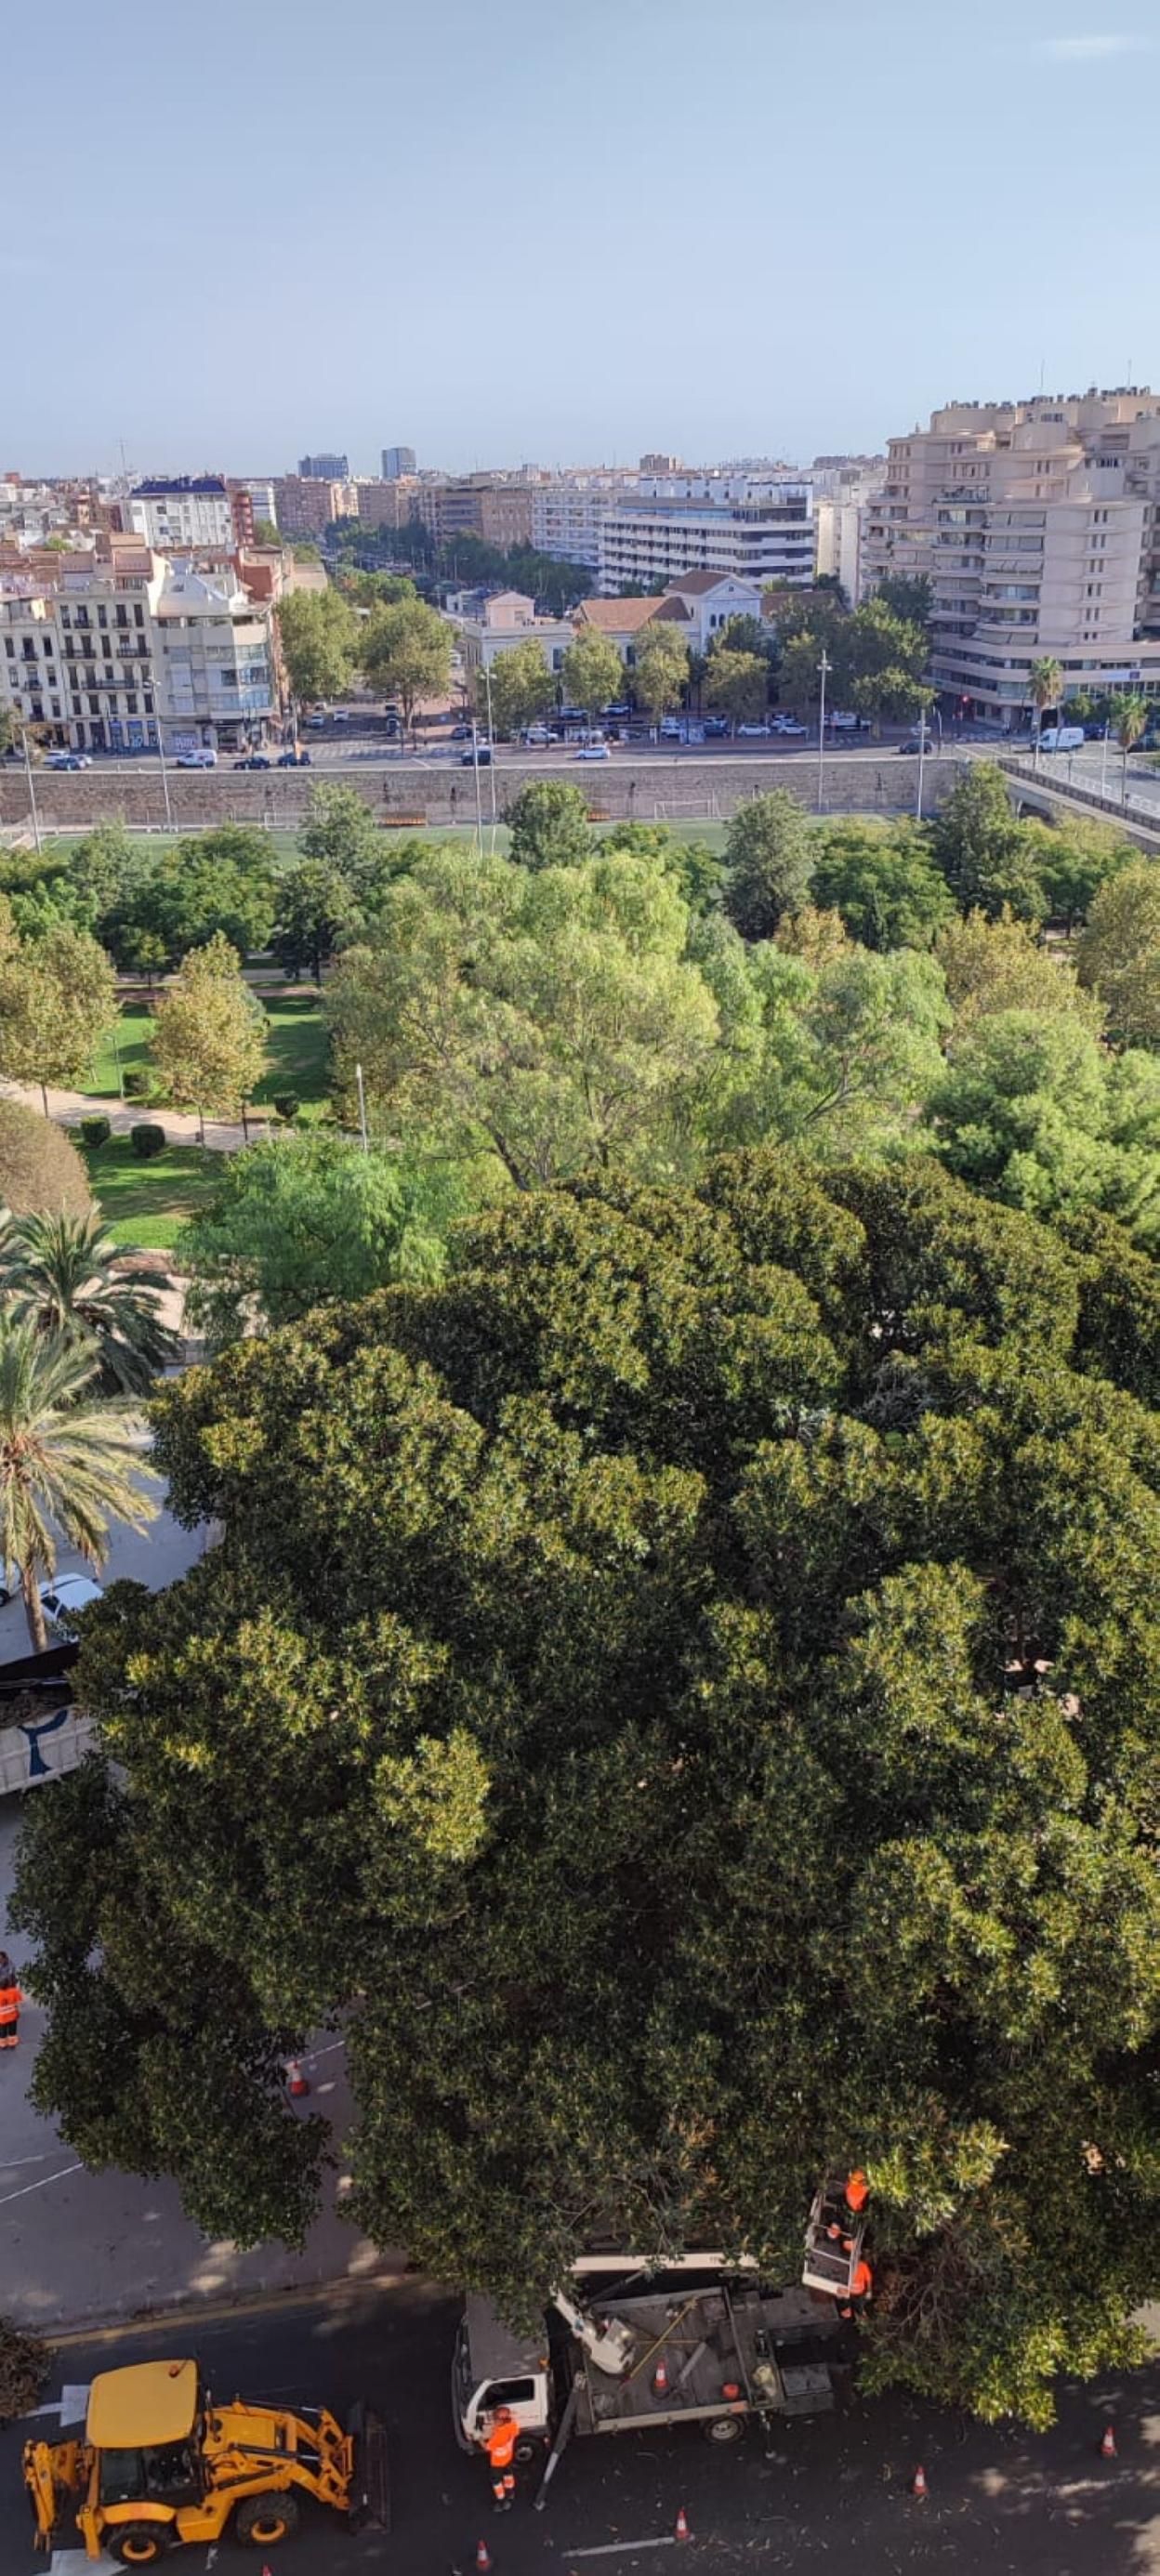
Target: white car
{"x":62,"y":1599}
{"x":69,"y":760}
{"x":753,"y":733}
{"x":791,"y":726}
{"x":593,"y":751}
{"x":536,"y":736}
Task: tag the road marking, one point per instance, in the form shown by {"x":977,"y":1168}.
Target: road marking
{"x":25,"y":2188}
{"x":74,"y":2401}
{"x":77,"y":2562}
{"x":613,"y":2548}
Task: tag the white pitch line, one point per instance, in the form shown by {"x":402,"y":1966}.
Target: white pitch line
{"x":22,"y":2194}
{"x":614,"y":2548}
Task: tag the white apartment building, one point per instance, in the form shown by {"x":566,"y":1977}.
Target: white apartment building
{"x":568,"y":512}
{"x":117,"y":655}
{"x":842,"y":488}
{"x":182,"y":511}
{"x":509,"y":618}
{"x":759,"y":528}
{"x":1038,"y":527}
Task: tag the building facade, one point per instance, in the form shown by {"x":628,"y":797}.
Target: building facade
{"x":124,"y":652}
{"x":507,"y":619}
{"x":324,"y":468}
{"x":306,"y":505}
{"x":1037,"y":525}
{"x":180,"y":512}
{"x":398,"y":461}
{"x":759,"y":529}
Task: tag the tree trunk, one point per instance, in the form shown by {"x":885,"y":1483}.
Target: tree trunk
{"x":33,"y":1609}
{"x":44,"y":1086}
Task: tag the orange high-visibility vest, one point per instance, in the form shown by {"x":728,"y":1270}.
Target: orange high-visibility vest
{"x":857,"y":2190}
{"x":10,"y":2002}
{"x":862,"y":2283}
{"x":501,"y":2444}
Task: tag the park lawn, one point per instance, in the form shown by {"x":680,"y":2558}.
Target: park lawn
{"x":296,"y":1044}
{"x":145,"y":1204}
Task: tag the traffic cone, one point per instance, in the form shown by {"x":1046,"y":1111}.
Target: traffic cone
{"x":681,"y":2525}
{"x":483,"y":2558}
{"x":918,"y":2484}
{"x":1108,"y":2443}
{"x":296,"y":2083}
{"x":660,"y":2382}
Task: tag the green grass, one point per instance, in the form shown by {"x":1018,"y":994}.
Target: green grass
{"x":146,"y":1204}
{"x":296,"y":1039}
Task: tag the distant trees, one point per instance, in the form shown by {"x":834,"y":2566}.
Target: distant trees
{"x":40,"y":1169}
{"x":1045,"y":687}
{"x":58,"y":995}
{"x":1118,"y":954}
{"x":319,"y":635}
{"x":522,"y":688}
{"x":405,"y":653}
{"x":984,"y":853}
{"x":660,"y":674}
{"x":593,"y":672}
{"x":549,"y":826}
{"x":770,"y":854}
{"x":1128,"y":716}
{"x":883,"y":881}
{"x":208,"y":1040}
{"x":737,"y":684}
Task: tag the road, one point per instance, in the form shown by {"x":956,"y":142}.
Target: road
{"x":1089,"y":768}
{"x":828,"y":2493}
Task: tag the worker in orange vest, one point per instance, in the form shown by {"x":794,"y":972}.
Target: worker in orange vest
{"x":855,"y":2194}
{"x":10,"y":2003}
{"x":500,"y":2438}
{"x":860,"y":2290}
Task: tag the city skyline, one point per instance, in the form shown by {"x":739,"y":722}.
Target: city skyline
{"x":600,"y":240}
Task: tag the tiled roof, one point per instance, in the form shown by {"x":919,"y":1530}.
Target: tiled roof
{"x":617,"y":616}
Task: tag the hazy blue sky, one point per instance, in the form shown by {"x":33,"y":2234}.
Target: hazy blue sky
{"x":236,"y":230}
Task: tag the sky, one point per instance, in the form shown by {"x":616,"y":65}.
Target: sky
{"x":238,"y":231}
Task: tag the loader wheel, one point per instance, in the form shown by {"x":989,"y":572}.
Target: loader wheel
{"x":262,"y":2520}
{"x":138,"y":2544}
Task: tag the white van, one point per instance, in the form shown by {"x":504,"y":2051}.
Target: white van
{"x":1062,"y":738}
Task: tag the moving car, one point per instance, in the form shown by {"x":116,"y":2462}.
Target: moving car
{"x":1062,"y":738}
{"x":716,"y":728}
{"x":203,"y":759}
{"x":592,"y":751}
{"x":69,"y":760}
{"x":461,"y":733}
{"x":481,"y":753}
{"x":254,"y":760}
{"x":537,"y":735}
{"x":293,"y":760}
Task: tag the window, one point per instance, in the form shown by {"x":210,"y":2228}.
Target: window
{"x":102,"y":617}
{"x":94,"y":706}
{"x":9,"y":646}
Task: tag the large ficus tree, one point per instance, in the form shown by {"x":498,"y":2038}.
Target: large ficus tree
{"x":683,"y":1697}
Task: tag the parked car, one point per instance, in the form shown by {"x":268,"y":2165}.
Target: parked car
{"x":620,"y":708}
{"x":481,"y":753}
{"x":592,"y":751}
{"x":203,"y":759}
{"x":790,"y":725}
{"x":254,"y":760}
{"x":461,"y":733}
{"x":536,"y":736}
{"x":341,"y":715}
{"x":753,"y":732}
{"x":671,"y":729}
{"x":63,"y":1597}
{"x":317,"y":723}
{"x":716,"y":728}
{"x":842,"y":722}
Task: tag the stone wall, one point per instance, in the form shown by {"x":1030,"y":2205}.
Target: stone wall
{"x":687,"y":790}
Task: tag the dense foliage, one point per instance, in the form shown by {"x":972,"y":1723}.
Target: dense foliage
{"x":683,"y":1696}
{"x":40,"y":1171}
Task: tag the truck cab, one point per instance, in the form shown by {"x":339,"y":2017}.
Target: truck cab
{"x":496,"y":2368}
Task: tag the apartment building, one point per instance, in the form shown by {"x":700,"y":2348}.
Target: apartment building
{"x":306,"y":505}
{"x":384,"y":504}
{"x":180,"y":512}
{"x":397,"y":461}
{"x":326,"y":467}
{"x":1037,"y":525}
{"x":758,"y":528}
{"x":115,"y":653}
{"x":843,"y":487}
{"x":568,"y":512}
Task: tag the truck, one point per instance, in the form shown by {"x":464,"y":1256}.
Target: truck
{"x":634,"y":2354}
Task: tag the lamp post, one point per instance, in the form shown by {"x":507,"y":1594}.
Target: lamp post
{"x":823,"y":667}
{"x":31,"y":788}
{"x":362,"y":1109}
{"x":1104,"y":760}
{"x":164,"y":775}
{"x":491,"y":745}
{"x":478,"y":798}
{"x":921,"y":762}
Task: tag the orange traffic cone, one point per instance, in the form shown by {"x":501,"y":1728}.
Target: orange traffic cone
{"x":296,"y":2083}
{"x":681,"y":2525}
{"x":660,"y":2383}
{"x":918,"y":2484}
{"x":1108,"y":2443}
{"x":483,"y":2558}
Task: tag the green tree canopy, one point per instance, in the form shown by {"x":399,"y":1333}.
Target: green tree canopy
{"x":59,"y":1272}
{"x":593,"y":672}
{"x":293,"y":1225}
{"x":1000,"y":966}
{"x":68,"y":1464}
{"x":340,"y":830}
{"x":770,"y":855}
{"x":883,"y":881}
{"x":318,"y":634}
{"x":405,"y":652}
{"x":209,"y":1043}
{"x":58,"y":995}
{"x":989,"y":860}
{"x":522,"y":688}
{"x":40,"y":1169}
{"x":549,"y":826}
{"x":1119,"y":952}
{"x":661,"y":671}
{"x":316,"y":906}
{"x":1032,"y":1109}
{"x":737,"y":684}
{"x":682,"y":1698}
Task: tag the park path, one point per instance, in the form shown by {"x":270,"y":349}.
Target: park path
{"x":182,"y":1126}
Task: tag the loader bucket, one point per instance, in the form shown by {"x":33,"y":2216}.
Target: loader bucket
{"x":370,"y":2484}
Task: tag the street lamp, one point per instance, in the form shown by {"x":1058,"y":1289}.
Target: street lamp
{"x":31,"y":788}
{"x":921,"y":762}
{"x":824,"y":666}
{"x":164,"y":775}
{"x":491,"y":743}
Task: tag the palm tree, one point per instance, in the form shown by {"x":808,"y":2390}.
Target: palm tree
{"x":1129,"y":717}
{"x":58,"y":1273}
{"x":66,"y":1466}
{"x":1045,"y":682}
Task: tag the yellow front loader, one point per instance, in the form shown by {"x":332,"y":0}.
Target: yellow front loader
{"x":161,"y":2464}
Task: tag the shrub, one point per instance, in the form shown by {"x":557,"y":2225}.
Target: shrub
{"x":41,"y":1172}
{"x":147,"y":1140}
{"x":140,"y":1084}
{"x":287,"y":1105}
{"x":95,"y":1131}
{"x":23,"y":2371}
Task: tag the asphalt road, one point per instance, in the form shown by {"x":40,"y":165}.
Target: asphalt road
{"x":828,"y":2493}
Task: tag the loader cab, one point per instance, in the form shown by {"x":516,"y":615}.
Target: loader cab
{"x":496,"y":2368}
{"x":143,"y":2431}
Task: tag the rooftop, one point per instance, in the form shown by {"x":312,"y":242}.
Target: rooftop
{"x":161,"y":486}
{"x":617,"y":616}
